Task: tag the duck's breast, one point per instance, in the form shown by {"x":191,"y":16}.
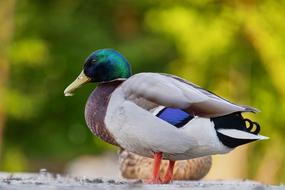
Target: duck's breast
{"x":95,"y":110}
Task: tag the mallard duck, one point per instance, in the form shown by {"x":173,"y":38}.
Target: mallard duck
{"x":160,"y":116}
{"x":133,"y":166}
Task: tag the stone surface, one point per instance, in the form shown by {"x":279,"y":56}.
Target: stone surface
{"x":47,"y":181}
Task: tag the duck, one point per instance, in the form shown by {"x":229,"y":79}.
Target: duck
{"x":133,"y":166}
{"x":158,"y":115}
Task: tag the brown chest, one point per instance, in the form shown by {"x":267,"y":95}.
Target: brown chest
{"x":95,"y":110}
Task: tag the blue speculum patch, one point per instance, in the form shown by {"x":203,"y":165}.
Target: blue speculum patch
{"x":174,"y":116}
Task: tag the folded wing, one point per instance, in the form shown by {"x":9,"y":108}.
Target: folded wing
{"x":174,"y":92}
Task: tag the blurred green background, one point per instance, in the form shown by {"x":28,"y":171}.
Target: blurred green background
{"x":234,"y":48}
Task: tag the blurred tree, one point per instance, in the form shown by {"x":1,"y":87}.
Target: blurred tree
{"x":6,"y":30}
{"x":52,"y":39}
{"x":235,"y":49}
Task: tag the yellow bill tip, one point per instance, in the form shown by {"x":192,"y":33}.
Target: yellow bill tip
{"x":68,"y":94}
{"x":79,"y":81}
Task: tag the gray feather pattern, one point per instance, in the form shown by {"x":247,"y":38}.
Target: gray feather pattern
{"x":172,"y":91}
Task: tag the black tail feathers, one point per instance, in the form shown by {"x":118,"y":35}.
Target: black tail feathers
{"x":253,"y":126}
{"x":236,"y":121}
{"x":233,"y":130}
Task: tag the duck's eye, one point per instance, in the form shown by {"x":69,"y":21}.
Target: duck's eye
{"x":93,"y":61}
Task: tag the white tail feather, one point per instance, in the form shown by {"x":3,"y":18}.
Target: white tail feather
{"x":234,"y":133}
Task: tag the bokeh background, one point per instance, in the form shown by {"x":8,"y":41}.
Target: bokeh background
{"x":234,"y":48}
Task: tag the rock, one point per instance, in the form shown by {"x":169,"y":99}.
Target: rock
{"x":32,"y":181}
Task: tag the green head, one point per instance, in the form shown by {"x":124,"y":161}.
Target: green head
{"x":101,"y":66}
{"x":105,"y":65}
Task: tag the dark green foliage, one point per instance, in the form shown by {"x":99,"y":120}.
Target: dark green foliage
{"x":51,"y":41}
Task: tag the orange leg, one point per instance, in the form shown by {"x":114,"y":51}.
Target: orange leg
{"x":169,"y":173}
{"x":156,"y":168}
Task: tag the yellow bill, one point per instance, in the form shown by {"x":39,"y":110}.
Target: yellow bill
{"x":79,"y":81}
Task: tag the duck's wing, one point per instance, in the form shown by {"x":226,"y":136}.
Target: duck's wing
{"x":172,"y":91}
